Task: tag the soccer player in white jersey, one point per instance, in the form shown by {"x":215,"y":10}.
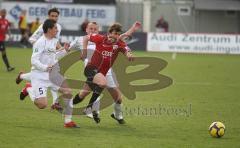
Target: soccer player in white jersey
{"x":112,"y":84}
{"x":53,"y":14}
{"x":42,"y":60}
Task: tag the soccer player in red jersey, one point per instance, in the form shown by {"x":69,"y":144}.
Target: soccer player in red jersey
{"x":107,"y":49}
{"x":4,"y":29}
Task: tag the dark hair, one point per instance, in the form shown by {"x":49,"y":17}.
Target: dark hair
{"x":3,"y":11}
{"x":117,"y":27}
{"x":53,"y":10}
{"x":48,"y":24}
{"x":95,"y":23}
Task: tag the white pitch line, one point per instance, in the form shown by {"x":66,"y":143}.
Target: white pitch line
{"x":174,"y":55}
{"x":193,"y":83}
{"x":206,"y":84}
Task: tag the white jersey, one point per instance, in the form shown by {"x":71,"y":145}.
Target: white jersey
{"x":78,"y":44}
{"x":39,"y":32}
{"x":44,"y":54}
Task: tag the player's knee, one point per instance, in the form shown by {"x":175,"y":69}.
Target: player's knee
{"x":100,"y":80}
{"x":67,"y":92}
{"x":41,"y":105}
{"x":102,"y":83}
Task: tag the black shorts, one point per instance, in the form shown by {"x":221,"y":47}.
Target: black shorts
{"x":90,"y":72}
{"x":2,"y":46}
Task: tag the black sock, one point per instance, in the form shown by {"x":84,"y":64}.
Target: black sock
{"x":90,"y":83}
{"x":119,"y":102}
{"x":77,"y":99}
{"x":5,"y":60}
{"x":96,"y":93}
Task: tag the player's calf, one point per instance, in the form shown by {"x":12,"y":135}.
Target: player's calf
{"x":77,"y":99}
{"x":67,"y":92}
{"x":18,"y":79}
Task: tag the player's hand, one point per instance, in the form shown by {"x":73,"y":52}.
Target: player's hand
{"x":7,"y":37}
{"x":83,"y":56}
{"x":66,"y":46}
{"x":49,"y":68}
{"x":130,"y":56}
{"x":137,"y":25}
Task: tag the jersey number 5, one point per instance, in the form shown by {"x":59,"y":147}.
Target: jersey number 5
{"x":40,"y":91}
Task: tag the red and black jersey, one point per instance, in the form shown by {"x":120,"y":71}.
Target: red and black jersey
{"x":4,"y":25}
{"x":105,"y":53}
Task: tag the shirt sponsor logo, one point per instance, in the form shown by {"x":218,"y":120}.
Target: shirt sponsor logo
{"x":49,"y":50}
{"x":107,"y":53}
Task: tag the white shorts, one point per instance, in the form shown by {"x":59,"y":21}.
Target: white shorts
{"x":112,"y":80}
{"x":41,"y":86}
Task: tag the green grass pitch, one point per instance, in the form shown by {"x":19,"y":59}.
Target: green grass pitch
{"x":206,"y":88}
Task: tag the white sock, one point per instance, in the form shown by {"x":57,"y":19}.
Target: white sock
{"x":96,"y":105}
{"x":68,"y":110}
{"x":67,"y":118}
{"x":31,"y":94}
{"x":26,"y":76}
{"x":118,"y":110}
{"x":55,"y":96}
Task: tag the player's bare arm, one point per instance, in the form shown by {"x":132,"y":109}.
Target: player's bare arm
{"x":134,"y":28}
{"x":9,"y":33}
{"x":85,"y":44}
{"x":65,"y":47}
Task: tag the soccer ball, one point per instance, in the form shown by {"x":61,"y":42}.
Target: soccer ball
{"x":217,"y":129}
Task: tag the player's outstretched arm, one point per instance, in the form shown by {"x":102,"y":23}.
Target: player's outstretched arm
{"x":9,"y":34}
{"x":62,"y":51}
{"x":36,"y":35}
{"x":75,"y":44}
{"x":65,"y":47}
{"x":85,"y":44}
{"x":134,"y":28}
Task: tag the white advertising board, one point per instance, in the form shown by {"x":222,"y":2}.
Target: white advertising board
{"x":194,"y":43}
